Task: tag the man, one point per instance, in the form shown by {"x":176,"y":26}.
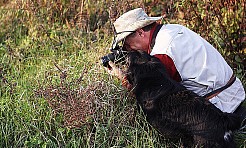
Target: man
{"x":188,"y":58}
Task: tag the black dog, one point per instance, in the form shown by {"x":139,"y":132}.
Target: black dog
{"x":177,"y":113}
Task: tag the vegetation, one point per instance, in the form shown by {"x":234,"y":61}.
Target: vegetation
{"x":54,"y":90}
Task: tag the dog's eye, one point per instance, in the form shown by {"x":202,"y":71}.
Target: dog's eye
{"x":148,"y":104}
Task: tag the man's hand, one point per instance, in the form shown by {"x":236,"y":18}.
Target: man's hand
{"x":115,"y":71}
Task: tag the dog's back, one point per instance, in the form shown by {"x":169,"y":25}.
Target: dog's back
{"x":173,"y":110}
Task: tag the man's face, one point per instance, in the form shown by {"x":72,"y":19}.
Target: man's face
{"x":137,"y":41}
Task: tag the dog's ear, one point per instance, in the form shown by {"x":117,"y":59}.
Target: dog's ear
{"x":135,"y":60}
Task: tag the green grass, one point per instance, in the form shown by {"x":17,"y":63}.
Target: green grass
{"x":37,"y":61}
{"x":29,"y":121}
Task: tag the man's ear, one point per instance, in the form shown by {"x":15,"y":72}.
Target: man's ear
{"x":140,"y":32}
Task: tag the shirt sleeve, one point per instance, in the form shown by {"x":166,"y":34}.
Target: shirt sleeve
{"x":170,"y":67}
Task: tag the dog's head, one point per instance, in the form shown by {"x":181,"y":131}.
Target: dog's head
{"x":143,"y":67}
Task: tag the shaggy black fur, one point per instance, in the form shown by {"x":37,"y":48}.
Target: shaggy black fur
{"x":177,"y":113}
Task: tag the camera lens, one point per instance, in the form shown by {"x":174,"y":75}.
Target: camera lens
{"x":117,"y":55}
{"x":107,"y":58}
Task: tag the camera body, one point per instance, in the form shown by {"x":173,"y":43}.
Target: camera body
{"x":117,"y":55}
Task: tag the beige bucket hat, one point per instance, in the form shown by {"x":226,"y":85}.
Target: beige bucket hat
{"x":130,"y":22}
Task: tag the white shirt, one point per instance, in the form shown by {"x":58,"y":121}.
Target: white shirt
{"x":200,"y":65}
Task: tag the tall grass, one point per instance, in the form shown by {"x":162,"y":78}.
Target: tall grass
{"x":54,"y":90}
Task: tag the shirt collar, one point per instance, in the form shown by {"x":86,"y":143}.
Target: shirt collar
{"x":151,"y":36}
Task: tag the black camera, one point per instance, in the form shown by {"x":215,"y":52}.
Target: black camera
{"x":117,"y":55}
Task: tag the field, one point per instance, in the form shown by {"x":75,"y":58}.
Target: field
{"x":55,"y":91}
